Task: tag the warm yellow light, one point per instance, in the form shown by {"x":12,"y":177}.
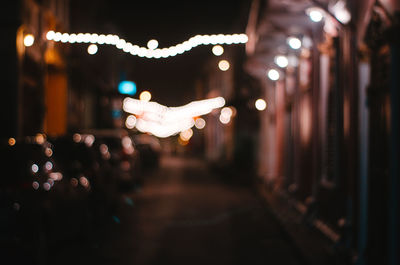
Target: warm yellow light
{"x":11,"y":141}
{"x":40,"y":138}
{"x":226,"y":111}
{"x":64,"y":37}
{"x":316,"y":14}
{"x":92,"y":49}
{"x":273,"y":74}
{"x":218,"y":50}
{"x":225,"y":119}
{"x":29,"y":40}
{"x":182,"y":142}
{"x":200,"y":123}
{"x":294,"y":43}
{"x":145,"y":96}
{"x":152,"y":44}
{"x":48,"y":152}
{"x":233,"y":111}
{"x":281,"y":61}
{"x":50,"y":35}
{"x":77,"y":137}
{"x":151,"y":51}
{"x":260,"y":104}
{"x":223,"y":65}
{"x":186,"y":134}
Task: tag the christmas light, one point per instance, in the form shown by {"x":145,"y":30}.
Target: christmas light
{"x":151,"y":51}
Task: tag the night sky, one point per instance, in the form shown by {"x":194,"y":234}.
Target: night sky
{"x":170,"y":80}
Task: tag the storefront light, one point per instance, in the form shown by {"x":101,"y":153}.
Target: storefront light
{"x":273,"y":74}
{"x":29,"y":39}
{"x":260,"y":104}
{"x":294,"y":43}
{"x":316,"y":14}
{"x":281,"y":61}
{"x":341,"y":12}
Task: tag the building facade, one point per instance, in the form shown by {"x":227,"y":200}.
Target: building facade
{"x":34,"y":81}
{"x":329,"y":138}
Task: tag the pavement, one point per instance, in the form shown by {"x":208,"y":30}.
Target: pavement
{"x":187,"y":214}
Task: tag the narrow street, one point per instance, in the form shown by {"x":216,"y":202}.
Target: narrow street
{"x":184,"y":214}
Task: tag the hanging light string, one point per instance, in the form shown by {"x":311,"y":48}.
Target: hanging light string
{"x":136,"y":50}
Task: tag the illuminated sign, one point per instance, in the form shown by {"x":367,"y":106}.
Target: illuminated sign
{"x":127,"y":88}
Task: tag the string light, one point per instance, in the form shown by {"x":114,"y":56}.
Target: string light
{"x":152,"y":44}
{"x":152,"y":51}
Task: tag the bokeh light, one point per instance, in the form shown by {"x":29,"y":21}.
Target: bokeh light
{"x":130,"y":122}
{"x":48,"y":166}
{"x":35,"y":168}
{"x":199,"y":123}
{"x":217,"y":50}
{"x":224,"y":119}
{"x":50,"y":35}
{"x":152,"y":44}
{"x":35,"y":185}
{"x":260,"y":104}
{"x":89,"y":140}
{"x":11,"y":141}
{"x":145,"y":96}
{"x":273,"y":74}
{"x":226,"y":111}
{"x":74,"y":182}
{"x":281,"y":61}
{"x":223,"y":65}
{"x":29,"y":39}
{"x":186,"y":134}
{"x":315,"y":14}
{"x":77,"y":137}
{"x":341,"y":12}
{"x":40,"y":138}
{"x":92,"y":49}
{"x":48,"y":151}
{"x":46,"y":186}
{"x":151,"y":51}
{"x":294,"y":43}
{"x":127,"y":87}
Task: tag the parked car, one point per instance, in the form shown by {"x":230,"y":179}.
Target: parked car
{"x":29,"y":178}
{"x":118,"y":147}
{"x":149,"y":150}
{"x":91,"y":194}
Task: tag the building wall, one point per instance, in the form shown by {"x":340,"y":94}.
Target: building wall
{"x":329,"y":141}
{"x":27,"y":96}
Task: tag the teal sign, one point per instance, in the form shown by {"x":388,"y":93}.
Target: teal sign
{"x":127,"y":88}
